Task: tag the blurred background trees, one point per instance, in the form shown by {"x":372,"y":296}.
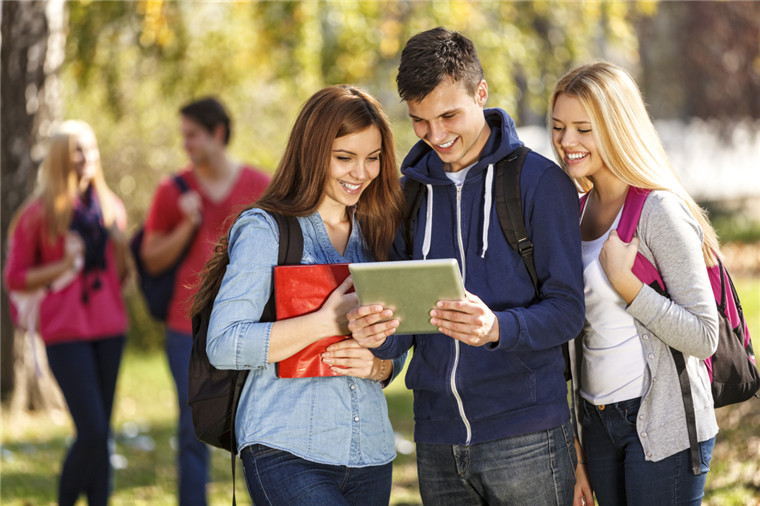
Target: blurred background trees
{"x":126,"y":68}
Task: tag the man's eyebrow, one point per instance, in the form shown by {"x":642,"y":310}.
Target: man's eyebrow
{"x":444,"y":113}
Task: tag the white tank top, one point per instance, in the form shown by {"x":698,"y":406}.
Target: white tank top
{"x":613,"y":358}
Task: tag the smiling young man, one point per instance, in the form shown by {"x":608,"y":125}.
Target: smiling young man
{"x":193,"y":221}
{"x":492,"y":424}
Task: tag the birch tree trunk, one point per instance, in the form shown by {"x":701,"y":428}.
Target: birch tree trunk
{"x":33,"y":43}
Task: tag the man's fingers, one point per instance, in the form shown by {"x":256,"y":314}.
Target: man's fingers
{"x":373,"y":319}
{"x":362,"y":311}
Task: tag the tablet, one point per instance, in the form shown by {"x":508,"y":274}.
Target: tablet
{"x":410,"y":288}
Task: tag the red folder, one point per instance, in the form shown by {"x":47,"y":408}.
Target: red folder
{"x":299,"y":290}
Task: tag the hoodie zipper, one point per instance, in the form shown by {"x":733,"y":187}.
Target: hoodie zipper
{"x":452,"y":378}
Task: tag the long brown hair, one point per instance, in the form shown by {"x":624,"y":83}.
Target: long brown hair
{"x":298,"y":184}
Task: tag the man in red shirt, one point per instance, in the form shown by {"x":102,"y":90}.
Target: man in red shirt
{"x":218,"y":188}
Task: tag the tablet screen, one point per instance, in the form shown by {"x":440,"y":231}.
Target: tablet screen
{"x":411,"y":288}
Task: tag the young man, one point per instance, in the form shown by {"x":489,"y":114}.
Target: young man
{"x":194,"y":220}
{"x":492,"y":424}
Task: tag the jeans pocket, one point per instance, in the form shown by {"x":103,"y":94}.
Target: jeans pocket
{"x":630,"y":412}
{"x":585,"y":408}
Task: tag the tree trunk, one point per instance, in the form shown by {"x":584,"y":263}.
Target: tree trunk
{"x":33,"y":43}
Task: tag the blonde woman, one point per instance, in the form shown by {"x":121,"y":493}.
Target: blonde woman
{"x":628,"y":399}
{"x":69,"y":235}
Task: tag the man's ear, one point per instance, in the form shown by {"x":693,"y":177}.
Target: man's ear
{"x":481,"y":94}
{"x":219,"y":133}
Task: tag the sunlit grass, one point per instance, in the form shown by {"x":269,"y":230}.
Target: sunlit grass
{"x":144,"y":421}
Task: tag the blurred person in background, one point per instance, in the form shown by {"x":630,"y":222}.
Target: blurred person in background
{"x":189,"y":223}
{"x":67,"y":260}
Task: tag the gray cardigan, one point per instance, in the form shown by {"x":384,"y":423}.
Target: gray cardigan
{"x":671,"y":239}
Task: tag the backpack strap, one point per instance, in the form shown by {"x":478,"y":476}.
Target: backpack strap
{"x":413,"y":191}
{"x":181,"y":183}
{"x":629,"y":220}
{"x":290,"y":252}
{"x":183,"y":188}
{"x":688,"y":405}
{"x":509,"y":208}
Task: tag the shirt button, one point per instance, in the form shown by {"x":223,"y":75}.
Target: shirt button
{"x":645,"y":336}
{"x":651,"y":356}
{"x":641,"y":417}
{"x":356,"y":418}
{"x":649,"y":454}
{"x":353,"y":387}
{"x":643,"y":434}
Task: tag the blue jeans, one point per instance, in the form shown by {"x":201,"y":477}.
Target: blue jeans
{"x":618,"y":471}
{"x":86,"y":371}
{"x":193,"y":456}
{"x":276,"y":477}
{"x":536,"y":468}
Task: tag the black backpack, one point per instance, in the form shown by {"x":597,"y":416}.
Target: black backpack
{"x":506,"y":193}
{"x":214,"y":394}
{"x":157,"y":289}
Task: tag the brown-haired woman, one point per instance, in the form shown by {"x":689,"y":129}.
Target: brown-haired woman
{"x":324,"y":440}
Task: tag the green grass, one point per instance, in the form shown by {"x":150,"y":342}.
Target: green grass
{"x":144,"y":422}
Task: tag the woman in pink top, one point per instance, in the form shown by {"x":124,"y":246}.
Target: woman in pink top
{"x":68,"y":256}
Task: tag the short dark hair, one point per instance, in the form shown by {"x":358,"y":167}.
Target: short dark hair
{"x":432,"y":56}
{"x":208,"y":112}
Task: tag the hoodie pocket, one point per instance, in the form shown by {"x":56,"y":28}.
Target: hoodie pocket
{"x":495,"y":383}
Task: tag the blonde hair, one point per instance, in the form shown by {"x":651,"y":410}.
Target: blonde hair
{"x":626,"y":138}
{"x":57,"y":182}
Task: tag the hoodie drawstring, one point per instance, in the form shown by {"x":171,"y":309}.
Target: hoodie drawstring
{"x":428,"y":223}
{"x":487,"y":208}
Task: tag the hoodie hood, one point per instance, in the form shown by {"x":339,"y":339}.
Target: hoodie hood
{"x":424,"y":165}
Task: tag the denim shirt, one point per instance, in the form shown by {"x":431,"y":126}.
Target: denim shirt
{"x":338,"y":420}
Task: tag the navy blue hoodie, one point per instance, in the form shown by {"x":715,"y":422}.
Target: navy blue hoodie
{"x":465,"y":394}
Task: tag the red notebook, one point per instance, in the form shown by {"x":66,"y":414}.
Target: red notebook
{"x":299,"y":290}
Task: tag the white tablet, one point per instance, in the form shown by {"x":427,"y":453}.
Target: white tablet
{"x":411,"y":288}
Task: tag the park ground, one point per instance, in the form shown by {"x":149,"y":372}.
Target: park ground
{"x":33,"y":443}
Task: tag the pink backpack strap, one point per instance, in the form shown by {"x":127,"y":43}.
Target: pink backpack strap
{"x":634,"y":203}
{"x":629,"y":220}
{"x":583,"y":200}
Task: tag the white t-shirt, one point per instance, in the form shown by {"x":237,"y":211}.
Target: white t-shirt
{"x":613,"y":358}
{"x":459,"y":176}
